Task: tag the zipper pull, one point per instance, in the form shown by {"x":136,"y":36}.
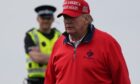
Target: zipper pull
{"x":74,"y":53}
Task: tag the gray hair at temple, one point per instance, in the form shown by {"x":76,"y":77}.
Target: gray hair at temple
{"x":88,"y":17}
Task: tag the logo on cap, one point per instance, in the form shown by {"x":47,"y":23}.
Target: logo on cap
{"x":75,"y":8}
{"x":72,"y":2}
{"x":85,"y":9}
{"x":73,"y":5}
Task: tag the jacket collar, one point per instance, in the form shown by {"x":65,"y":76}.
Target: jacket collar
{"x":87,"y":37}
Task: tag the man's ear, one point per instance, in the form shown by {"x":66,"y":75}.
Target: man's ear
{"x":37,"y":18}
{"x":52,"y":19}
{"x":86,"y":19}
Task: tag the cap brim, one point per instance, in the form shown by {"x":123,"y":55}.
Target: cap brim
{"x":47,"y":16}
{"x":69,"y":13}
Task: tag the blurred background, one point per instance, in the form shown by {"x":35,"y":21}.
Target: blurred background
{"x":120,"y":18}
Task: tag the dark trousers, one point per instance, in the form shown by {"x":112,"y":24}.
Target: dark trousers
{"x":35,"y":80}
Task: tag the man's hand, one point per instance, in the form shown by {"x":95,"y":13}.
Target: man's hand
{"x":35,"y":49}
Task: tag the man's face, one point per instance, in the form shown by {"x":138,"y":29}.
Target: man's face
{"x":45,"y":23}
{"x":74,"y":25}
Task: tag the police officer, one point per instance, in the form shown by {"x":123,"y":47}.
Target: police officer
{"x":39,"y":43}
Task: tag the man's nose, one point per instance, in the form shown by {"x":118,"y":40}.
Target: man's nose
{"x":68,"y":20}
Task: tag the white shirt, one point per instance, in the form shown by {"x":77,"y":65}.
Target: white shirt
{"x":76,"y":43}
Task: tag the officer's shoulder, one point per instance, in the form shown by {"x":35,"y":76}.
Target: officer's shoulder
{"x":55,"y":29}
{"x":33,"y":28}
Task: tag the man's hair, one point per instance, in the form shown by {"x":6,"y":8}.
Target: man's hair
{"x":88,"y":17}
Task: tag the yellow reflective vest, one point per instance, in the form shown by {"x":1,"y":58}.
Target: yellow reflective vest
{"x":34,"y":69}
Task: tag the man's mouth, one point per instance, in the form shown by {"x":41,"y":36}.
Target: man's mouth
{"x":69,"y":28}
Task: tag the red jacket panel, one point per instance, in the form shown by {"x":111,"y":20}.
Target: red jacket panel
{"x":95,"y":61}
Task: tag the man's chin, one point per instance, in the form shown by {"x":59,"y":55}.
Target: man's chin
{"x":71,"y":32}
{"x":45,"y":27}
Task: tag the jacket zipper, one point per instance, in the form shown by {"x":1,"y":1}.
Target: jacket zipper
{"x":74,"y":53}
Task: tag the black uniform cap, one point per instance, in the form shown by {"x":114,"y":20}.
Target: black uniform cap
{"x":46,"y":11}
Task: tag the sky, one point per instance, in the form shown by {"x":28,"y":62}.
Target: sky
{"x":120,"y":18}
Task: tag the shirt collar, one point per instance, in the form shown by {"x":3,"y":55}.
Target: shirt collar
{"x":75,"y":43}
{"x":87,"y":37}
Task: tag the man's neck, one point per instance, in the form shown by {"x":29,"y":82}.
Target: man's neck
{"x":45,"y":30}
{"x":77,"y":37}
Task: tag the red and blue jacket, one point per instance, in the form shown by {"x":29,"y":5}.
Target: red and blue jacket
{"x":98,"y":59}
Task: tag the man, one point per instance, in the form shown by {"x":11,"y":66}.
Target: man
{"x":85,"y":54}
{"x":39,"y":43}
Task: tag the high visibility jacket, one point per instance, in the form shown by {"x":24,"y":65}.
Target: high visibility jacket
{"x":45,"y":45}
